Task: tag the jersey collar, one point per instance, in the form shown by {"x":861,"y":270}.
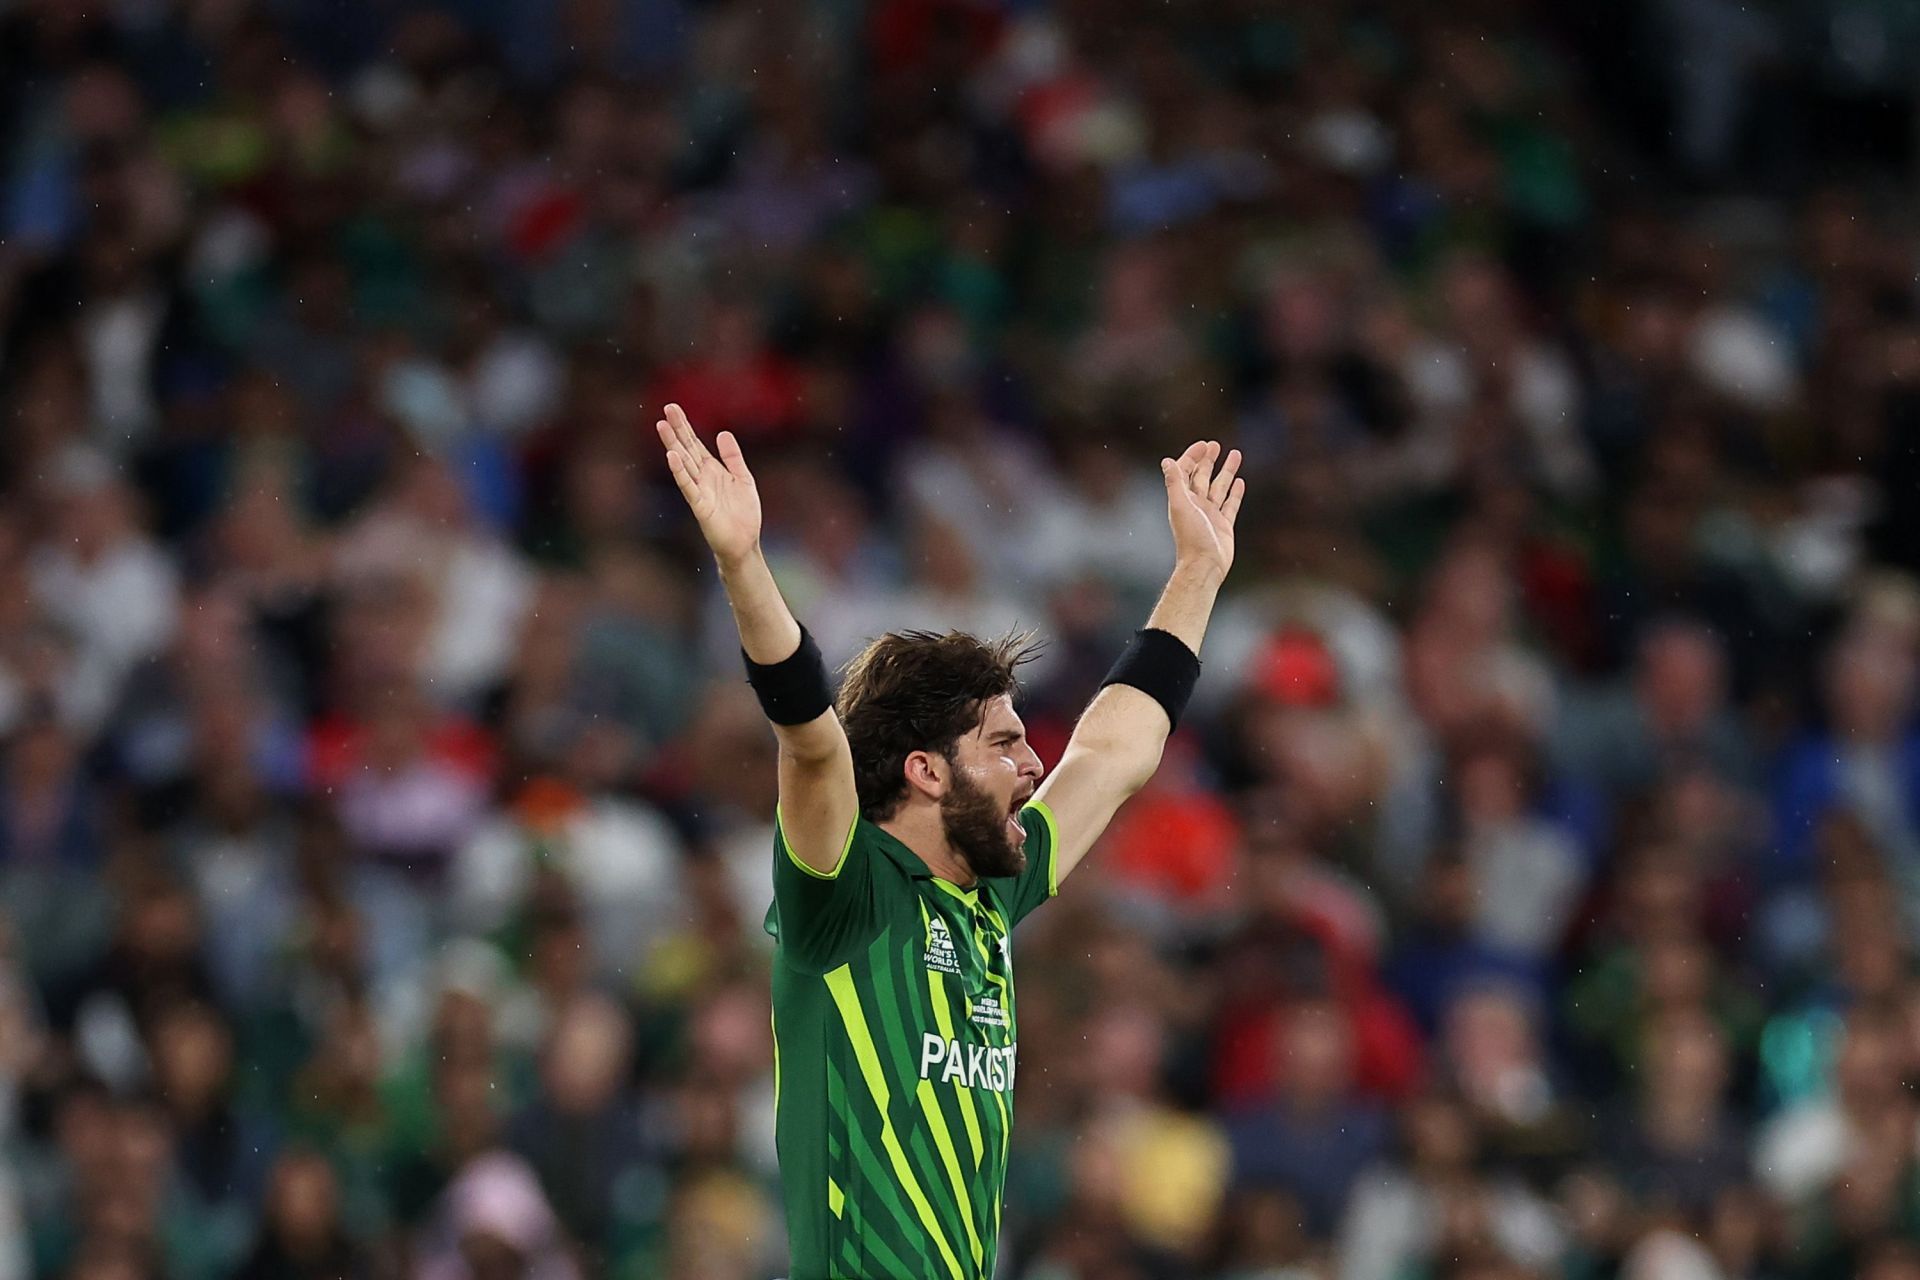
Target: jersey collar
{"x":910,"y":862}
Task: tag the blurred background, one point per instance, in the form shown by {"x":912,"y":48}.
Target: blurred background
{"x":385,"y":821}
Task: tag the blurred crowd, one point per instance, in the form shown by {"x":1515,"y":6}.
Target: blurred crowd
{"x":385,"y":823}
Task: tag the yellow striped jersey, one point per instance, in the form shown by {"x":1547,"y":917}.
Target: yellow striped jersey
{"x":894,"y":1055}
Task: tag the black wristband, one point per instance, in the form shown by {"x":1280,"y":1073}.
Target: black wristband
{"x":794,"y":690}
{"x":1160,"y":665}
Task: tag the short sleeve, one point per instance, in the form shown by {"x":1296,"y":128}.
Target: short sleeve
{"x":1041,"y":879}
{"x":821,"y":918}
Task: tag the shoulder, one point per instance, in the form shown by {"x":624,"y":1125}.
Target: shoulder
{"x":870,"y":841}
{"x":878,"y":855}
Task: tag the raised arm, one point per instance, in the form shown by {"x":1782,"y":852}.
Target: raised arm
{"x":1116,"y":746}
{"x":818,"y":803}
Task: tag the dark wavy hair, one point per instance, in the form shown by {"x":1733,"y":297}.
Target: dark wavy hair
{"x":919,"y":691}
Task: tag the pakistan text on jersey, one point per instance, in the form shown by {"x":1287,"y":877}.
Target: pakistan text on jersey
{"x":977,"y":1066}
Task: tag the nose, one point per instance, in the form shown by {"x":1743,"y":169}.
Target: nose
{"x":1030,"y":766}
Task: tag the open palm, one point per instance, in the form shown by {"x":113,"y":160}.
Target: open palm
{"x":1203,"y":502}
{"x":720,"y":490}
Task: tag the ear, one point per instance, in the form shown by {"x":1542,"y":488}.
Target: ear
{"x":928,"y":773}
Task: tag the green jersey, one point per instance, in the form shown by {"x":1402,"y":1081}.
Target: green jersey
{"x":894,"y":1052}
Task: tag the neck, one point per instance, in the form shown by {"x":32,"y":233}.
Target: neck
{"x":920,"y":830}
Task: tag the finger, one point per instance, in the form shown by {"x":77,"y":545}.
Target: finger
{"x":676,"y":443}
{"x":683,"y":474}
{"x":1203,"y":469}
{"x":689,"y":441}
{"x":1174,"y":472}
{"x":1231,"y":507}
{"x":676,"y":448}
{"x":731,"y":457}
{"x":1188,"y":460}
{"x":689,"y":438}
{"x":1223,"y":479}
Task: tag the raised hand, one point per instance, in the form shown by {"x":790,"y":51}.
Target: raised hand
{"x":1202,"y":503}
{"x":720,"y":490}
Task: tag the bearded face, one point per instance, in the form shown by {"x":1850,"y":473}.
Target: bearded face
{"x":983,"y":830}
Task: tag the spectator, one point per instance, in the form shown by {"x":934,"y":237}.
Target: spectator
{"x":1680,"y":1149}
{"x":1317,"y":1137}
{"x":52,"y":817}
{"x":104,"y":579}
{"x":1400,"y":1215}
{"x":1673,"y":714}
{"x":581,"y":1135}
{"x":1527,"y":872}
{"x":1861,"y":764}
{"x":1800,"y":1152}
{"x":1495,"y":1059}
{"x":302,"y":1237}
{"x":494,"y":1221}
{"x":1172,"y":1166}
{"x":222,"y":1151}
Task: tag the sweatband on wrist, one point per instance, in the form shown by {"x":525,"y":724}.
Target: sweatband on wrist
{"x":795,"y":689}
{"x":1160,"y":665}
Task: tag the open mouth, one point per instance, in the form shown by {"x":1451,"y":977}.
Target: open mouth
{"x":1016,"y":832}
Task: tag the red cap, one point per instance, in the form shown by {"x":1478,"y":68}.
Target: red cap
{"x":1294,"y":668}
